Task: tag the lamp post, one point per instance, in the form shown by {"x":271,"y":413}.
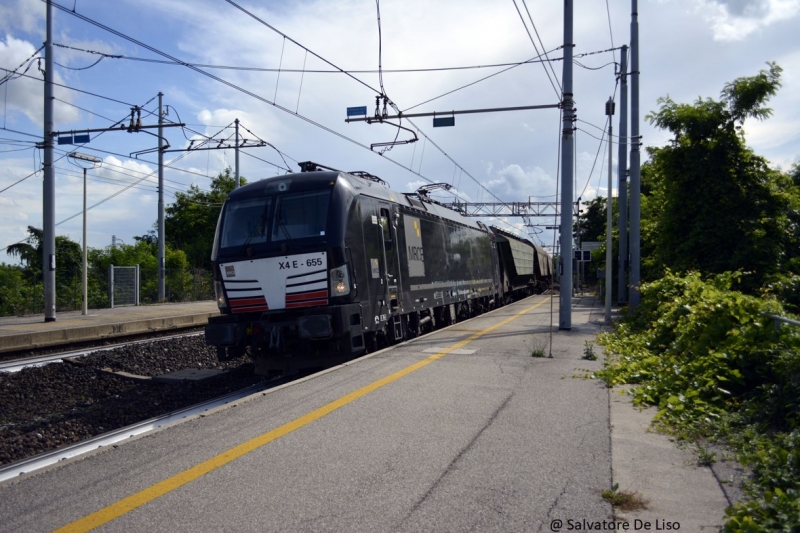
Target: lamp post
{"x":609,"y":203}
{"x":95,"y":161}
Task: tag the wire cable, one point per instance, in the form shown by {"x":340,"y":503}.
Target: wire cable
{"x":558,"y":93}
{"x":11,"y":73}
{"x":261,"y":98}
{"x":515,"y":65}
{"x":251,"y":15}
{"x":549,"y":63}
{"x":303,"y":71}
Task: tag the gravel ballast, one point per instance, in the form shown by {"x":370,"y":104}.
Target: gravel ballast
{"x":46,"y":407}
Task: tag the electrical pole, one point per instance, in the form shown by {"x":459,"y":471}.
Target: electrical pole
{"x":161,"y":253}
{"x":609,"y":204}
{"x":567,"y":148}
{"x":237,"y":152}
{"x":49,"y":187}
{"x":622,"y":189}
{"x":636,"y":184}
{"x":75,"y":157}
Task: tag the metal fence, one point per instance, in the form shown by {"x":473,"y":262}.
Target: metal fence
{"x":124,"y":285}
{"x":27,"y":298}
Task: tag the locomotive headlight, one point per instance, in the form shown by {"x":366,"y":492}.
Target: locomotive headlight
{"x":219,"y":293}
{"x":340,"y":281}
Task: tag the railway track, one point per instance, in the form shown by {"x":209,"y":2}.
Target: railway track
{"x":111,"y":438}
{"x":15,"y":365}
{"x":50,"y":406}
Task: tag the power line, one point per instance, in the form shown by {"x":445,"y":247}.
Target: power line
{"x":71,"y":88}
{"x":11,"y":73}
{"x":610,"y":32}
{"x":251,"y":15}
{"x":599,"y":147}
{"x":307,"y":71}
{"x":238,"y":88}
{"x":261,"y":98}
{"x":515,"y":65}
{"x":366,"y":85}
{"x":550,"y":64}
{"x":558,"y":93}
{"x":21,"y":133}
{"x":576,"y":62}
{"x":627,"y":139}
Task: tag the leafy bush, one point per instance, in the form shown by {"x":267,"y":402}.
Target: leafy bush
{"x":717,"y":367}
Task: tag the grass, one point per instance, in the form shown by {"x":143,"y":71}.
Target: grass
{"x":624,"y":500}
{"x":539,"y":347}
{"x":588,"y":351}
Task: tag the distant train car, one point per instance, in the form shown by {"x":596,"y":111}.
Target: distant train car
{"x":517,"y":257}
{"x":321,"y":266}
{"x":525,"y":268}
{"x":543,"y":270}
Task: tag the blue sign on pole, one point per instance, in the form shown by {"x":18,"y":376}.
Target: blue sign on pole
{"x":83,"y":138}
{"x":442,"y":122}
{"x":356,"y":111}
{"x":65,"y":140}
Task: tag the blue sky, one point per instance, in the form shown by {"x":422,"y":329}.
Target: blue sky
{"x":689,"y":49}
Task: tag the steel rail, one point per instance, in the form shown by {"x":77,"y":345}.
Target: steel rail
{"x":15,"y":365}
{"x":46,"y":459}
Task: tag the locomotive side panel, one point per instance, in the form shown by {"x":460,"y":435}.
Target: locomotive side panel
{"x":444,"y":262}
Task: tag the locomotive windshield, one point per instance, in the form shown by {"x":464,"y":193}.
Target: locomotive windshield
{"x":279,"y":218}
{"x":300,"y":215}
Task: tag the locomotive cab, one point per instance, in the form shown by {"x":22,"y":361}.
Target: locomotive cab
{"x":281,"y":277}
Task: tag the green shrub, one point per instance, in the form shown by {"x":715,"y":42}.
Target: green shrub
{"x":716,"y":367}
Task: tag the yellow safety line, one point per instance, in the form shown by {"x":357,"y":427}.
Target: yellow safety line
{"x":149,"y":494}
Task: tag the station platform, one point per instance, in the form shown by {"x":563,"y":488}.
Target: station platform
{"x":30,"y":332}
{"x":458,"y":430}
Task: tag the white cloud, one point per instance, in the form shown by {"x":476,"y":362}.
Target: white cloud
{"x":25,"y":94}
{"x":734,"y":20}
{"x":21,"y":15}
{"x":416,"y":33}
{"x":514,"y":181}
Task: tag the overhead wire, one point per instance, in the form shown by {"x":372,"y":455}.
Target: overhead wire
{"x":359,"y":81}
{"x":72,"y":88}
{"x":265,"y":23}
{"x":338,"y":69}
{"x":558,"y":93}
{"x":541,"y":43}
{"x":37,"y":171}
{"x":64,"y":171}
{"x":610,"y":31}
{"x":241,"y":89}
{"x":515,"y":65}
{"x":260,"y":98}
{"x":594,"y":68}
{"x":80,"y":68}
{"x":11,"y":73}
{"x":304,"y":70}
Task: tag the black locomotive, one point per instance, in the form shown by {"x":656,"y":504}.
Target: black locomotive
{"x":314,"y":268}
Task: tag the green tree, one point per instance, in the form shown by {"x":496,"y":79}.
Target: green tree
{"x":68,"y":266}
{"x":715,"y":206}
{"x":145,"y":255}
{"x":591,"y":223}
{"x":68,"y":252}
{"x":190,"y":222}
{"x":14,"y":291}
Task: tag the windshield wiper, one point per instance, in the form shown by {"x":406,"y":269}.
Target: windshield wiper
{"x":253,"y":232}
{"x":282,"y":225}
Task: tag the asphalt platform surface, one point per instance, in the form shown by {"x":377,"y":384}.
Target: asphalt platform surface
{"x":30,"y":332}
{"x":460,"y":430}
